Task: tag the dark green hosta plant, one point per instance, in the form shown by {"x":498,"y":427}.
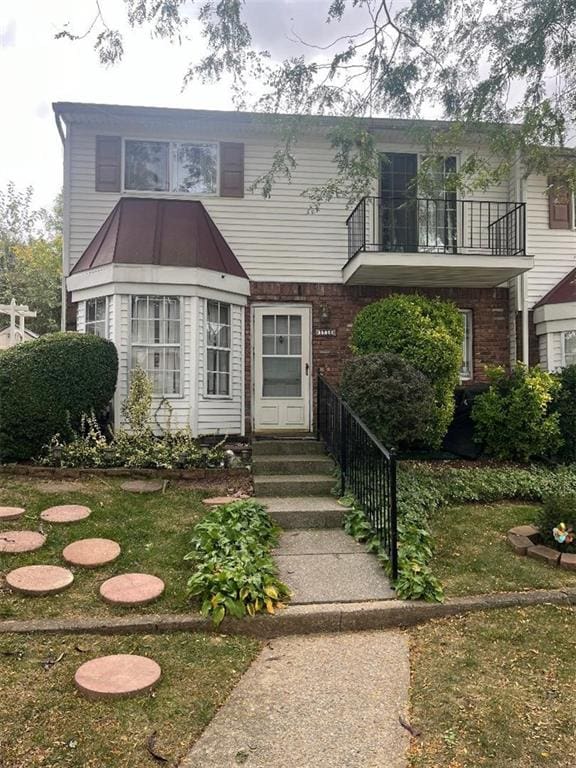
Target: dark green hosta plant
{"x":234,"y":572}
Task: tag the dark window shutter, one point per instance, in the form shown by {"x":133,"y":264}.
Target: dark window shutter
{"x":559,"y":205}
{"x":231,"y":169}
{"x":108,"y":163}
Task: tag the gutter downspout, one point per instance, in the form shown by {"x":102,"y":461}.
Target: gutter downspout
{"x":64,"y":297}
{"x":525,"y":325}
{"x":522,"y":280}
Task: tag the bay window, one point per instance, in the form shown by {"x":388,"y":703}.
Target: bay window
{"x":170,"y":166}
{"x":568,"y":348}
{"x":95,"y":317}
{"x":218,"y":347}
{"x":156,"y":341}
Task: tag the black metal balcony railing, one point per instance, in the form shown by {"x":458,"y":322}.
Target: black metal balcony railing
{"x":442,"y":225}
{"x":367,"y":468}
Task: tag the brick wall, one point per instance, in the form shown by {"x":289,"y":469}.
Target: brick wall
{"x":339,"y":304}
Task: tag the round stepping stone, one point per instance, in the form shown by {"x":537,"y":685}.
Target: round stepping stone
{"x":143,"y":486}
{"x":66,"y":513}
{"x":131,"y":589}
{"x":90,"y":553}
{"x":10,"y":513}
{"x":116,"y":677}
{"x":20,"y":541}
{"x":39,"y":579}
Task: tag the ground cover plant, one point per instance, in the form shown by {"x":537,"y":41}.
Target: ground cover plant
{"x":44,"y":723}
{"x":153,"y":531}
{"x":494,"y":689}
{"x":47,"y":384}
{"x":234,"y":573}
{"x":424,"y":489}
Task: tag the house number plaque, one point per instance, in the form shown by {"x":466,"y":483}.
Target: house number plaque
{"x":325,"y":332}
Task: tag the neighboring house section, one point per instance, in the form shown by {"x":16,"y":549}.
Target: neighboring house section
{"x":233,"y":302}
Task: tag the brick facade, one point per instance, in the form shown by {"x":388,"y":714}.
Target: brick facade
{"x":335,"y":306}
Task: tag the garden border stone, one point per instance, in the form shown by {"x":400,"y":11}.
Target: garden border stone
{"x":298,"y":619}
{"x":526,"y":541}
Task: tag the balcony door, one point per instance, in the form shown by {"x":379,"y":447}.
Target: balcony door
{"x":411,"y":223}
{"x":281,"y":368}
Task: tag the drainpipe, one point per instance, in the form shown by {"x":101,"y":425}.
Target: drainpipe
{"x":64,"y":297}
{"x":525,"y":317}
{"x":522,"y":282}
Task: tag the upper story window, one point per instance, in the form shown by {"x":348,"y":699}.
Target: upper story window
{"x":467,"y":370}
{"x":95,"y":320}
{"x":169,"y":166}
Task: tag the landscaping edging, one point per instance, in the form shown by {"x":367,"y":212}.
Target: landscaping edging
{"x":526,"y":540}
{"x":211,"y":474}
{"x":299,"y":619}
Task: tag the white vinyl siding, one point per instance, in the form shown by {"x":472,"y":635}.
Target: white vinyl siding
{"x":554,"y":250}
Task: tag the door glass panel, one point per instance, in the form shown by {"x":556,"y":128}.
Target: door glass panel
{"x":268,"y":325}
{"x":281,"y":345}
{"x":282,"y":377}
{"x":268,"y":345}
{"x":282,"y":324}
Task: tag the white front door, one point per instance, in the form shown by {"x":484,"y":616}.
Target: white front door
{"x":282,"y":370}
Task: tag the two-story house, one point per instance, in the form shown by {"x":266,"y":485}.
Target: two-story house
{"x":232,"y":302}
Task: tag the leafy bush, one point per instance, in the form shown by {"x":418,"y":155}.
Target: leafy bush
{"x":428,"y":333}
{"x":565,"y":406}
{"x":394,"y":399}
{"x":47,"y":384}
{"x":234,"y":571}
{"x":423,"y":489}
{"x":513,"y":420}
{"x":558,"y":509}
{"x":138,"y":448}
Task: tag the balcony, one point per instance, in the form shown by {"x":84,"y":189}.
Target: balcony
{"x":442,"y":242}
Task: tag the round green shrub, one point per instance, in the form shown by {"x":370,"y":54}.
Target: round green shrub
{"x":428,"y":333}
{"x":565,"y":406}
{"x":47,"y":384}
{"x":395,"y":400}
{"x":513,"y":420}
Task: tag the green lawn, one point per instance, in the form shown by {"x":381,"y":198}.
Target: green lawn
{"x":495,"y":690}
{"x":472,"y":556}
{"x":152,"y":529}
{"x":45,"y":723}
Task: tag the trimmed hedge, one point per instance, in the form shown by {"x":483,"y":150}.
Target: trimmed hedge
{"x":47,"y":384}
{"x":565,"y":406}
{"x":428,"y":333}
{"x":394,"y":399}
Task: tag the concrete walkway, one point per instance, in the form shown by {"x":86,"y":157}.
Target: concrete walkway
{"x":329,"y":701}
{"x":328,"y":566}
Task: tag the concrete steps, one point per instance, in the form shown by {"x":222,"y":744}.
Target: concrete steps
{"x":293,"y":464}
{"x":296,"y":512}
{"x":291,"y":485}
{"x":288,"y":446}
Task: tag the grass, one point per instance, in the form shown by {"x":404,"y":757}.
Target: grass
{"x":153,"y":531}
{"x":472,"y":556}
{"x":495,"y":690}
{"x":45,"y":723}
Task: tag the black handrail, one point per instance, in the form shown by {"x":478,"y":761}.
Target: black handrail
{"x":367,"y":468}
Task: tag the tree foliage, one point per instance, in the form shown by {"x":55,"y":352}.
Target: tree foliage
{"x":30,"y":256}
{"x":508,"y":65}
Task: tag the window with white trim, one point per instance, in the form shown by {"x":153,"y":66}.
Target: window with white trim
{"x":156,"y":341}
{"x":95,"y":317}
{"x":568,"y":348}
{"x":171,"y":166}
{"x":218,"y":349}
{"x":467,"y":369}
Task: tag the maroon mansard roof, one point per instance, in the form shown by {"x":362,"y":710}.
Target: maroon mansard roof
{"x":563,"y":292}
{"x":174,"y":233}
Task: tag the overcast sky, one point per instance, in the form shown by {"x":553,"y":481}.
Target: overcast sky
{"x":36,"y":69}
